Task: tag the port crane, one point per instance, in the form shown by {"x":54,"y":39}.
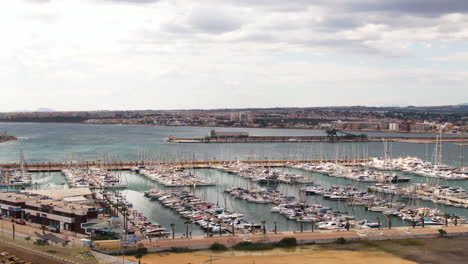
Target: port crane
{"x":332,"y":135}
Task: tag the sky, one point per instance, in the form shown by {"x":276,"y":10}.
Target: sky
{"x":74,"y":55}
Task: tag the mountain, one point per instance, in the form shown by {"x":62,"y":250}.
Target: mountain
{"x":43,"y":109}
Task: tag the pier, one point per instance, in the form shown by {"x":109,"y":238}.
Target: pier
{"x":196,"y":164}
{"x":304,"y":139}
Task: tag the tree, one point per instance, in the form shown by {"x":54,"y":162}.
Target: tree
{"x":141,"y":251}
{"x":172,"y":228}
{"x":139,"y":256}
{"x":389,"y":218}
{"x":263,"y":226}
{"x":446,"y":217}
{"x":455,"y":219}
{"x":421,"y":217}
{"x":301,"y":223}
{"x":160,"y":231}
{"x":220,"y":227}
{"x":413,"y":220}
{"x":276,"y":230}
{"x":43,"y":228}
{"x":378,"y":221}
{"x":233,"y":219}
{"x":13,"y":224}
{"x":208,"y":227}
{"x":312,"y":225}
{"x":187,"y":223}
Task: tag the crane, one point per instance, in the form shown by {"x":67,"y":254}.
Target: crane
{"x":332,"y":135}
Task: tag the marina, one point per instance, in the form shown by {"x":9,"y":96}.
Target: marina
{"x":294,"y":188}
{"x":171,"y":176}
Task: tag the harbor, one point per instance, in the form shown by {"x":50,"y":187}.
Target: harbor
{"x":236,"y":192}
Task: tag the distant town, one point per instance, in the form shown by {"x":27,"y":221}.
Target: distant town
{"x":432,"y":119}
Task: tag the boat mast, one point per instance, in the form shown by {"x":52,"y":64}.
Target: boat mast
{"x":462,"y":149}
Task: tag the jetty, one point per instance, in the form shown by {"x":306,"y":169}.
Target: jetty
{"x":4,"y":138}
{"x":194,"y":164}
{"x":305,"y":139}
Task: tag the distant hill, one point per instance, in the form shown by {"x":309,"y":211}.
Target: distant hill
{"x":43,"y":109}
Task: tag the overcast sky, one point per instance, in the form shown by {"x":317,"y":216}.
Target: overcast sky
{"x":181,"y":54}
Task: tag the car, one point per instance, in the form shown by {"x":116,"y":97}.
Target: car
{"x":53,"y":229}
{"x":20,"y":222}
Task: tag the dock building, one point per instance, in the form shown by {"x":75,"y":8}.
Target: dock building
{"x":64,"y":214}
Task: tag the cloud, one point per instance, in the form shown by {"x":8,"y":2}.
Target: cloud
{"x":132,"y":1}
{"x":213,"y":20}
{"x":276,"y":52}
{"x":457,"y":57}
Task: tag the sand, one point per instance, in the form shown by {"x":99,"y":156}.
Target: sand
{"x":322,"y":257}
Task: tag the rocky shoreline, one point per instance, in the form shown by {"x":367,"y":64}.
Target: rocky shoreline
{"x":6,"y":138}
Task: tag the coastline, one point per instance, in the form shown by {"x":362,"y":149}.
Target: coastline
{"x":233,"y":127}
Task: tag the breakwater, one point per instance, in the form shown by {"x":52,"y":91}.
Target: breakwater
{"x":303,"y":139}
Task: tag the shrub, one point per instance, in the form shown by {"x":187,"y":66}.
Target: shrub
{"x":442,"y":232}
{"x":287,"y":242}
{"x":253,"y":246}
{"x":218,"y":247}
{"x":341,"y":240}
{"x":180,"y":249}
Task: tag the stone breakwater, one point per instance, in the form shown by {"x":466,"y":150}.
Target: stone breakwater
{"x":5,"y":138}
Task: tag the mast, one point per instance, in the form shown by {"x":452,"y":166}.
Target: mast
{"x":462,"y":149}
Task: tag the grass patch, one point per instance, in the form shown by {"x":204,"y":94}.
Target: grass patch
{"x":180,"y":250}
{"x":283,"y":243}
{"x":218,"y":247}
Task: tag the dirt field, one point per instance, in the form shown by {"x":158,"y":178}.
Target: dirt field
{"x":303,"y":257}
{"x":448,"y":250}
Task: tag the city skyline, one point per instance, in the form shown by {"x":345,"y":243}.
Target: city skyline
{"x":150,"y":54}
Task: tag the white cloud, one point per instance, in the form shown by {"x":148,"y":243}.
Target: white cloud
{"x":203,"y":54}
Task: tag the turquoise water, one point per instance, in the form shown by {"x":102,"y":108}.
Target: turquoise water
{"x":67,"y":142}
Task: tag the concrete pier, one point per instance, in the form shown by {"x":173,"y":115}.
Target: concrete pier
{"x":127,"y":165}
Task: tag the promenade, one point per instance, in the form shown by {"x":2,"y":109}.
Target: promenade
{"x":307,"y":237}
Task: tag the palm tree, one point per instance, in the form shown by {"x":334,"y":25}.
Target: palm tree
{"x":312,"y":225}
{"x":139,"y":256}
{"x":233,"y":219}
{"x":208,"y":227}
{"x":276,"y":230}
{"x":263,"y":224}
{"x":187,"y":223}
{"x":455,"y":219}
{"x":13,"y":224}
{"x":378,"y":221}
{"x":413,"y":220}
{"x":301,"y":222}
{"x":124,"y":213}
{"x":389,"y":217}
{"x":421,"y":216}
{"x":220,"y":227}
{"x":446,"y":216}
{"x":172,"y":228}
{"x":43,"y":228}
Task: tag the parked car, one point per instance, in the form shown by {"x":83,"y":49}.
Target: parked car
{"x":20,"y":222}
{"x":53,"y":229}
